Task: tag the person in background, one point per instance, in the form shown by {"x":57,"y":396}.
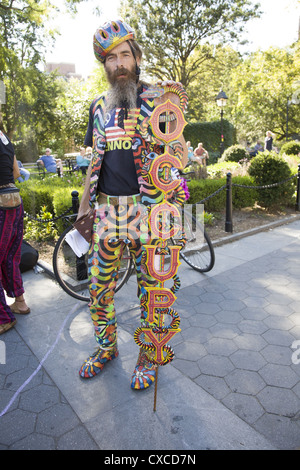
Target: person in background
{"x":191,"y":157}
{"x":257,"y":148}
{"x":25,"y":174}
{"x":201,"y":155}
{"x":269,"y":141}
{"x":50,"y":163}
{"x":82,"y":162}
{"x":11,"y":237}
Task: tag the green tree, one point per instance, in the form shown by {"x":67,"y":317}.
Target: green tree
{"x":215,"y":74}
{"x":171,"y":31}
{"x":72,"y":110}
{"x":260,"y":89}
{"x":30,"y":94}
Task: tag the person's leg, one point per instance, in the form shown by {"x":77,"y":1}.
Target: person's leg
{"x":11,"y":274}
{"x":60,"y":166}
{"x":144,"y":372}
{"x":26,"y":174}
{"x":104,"y":264}
{"x":11,"y":231}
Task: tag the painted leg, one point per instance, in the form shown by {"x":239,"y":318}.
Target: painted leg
{"x":104,"y":264}
{"x":144,"y":372}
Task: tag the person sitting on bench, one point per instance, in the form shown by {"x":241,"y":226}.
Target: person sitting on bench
{"x":50,"y":163}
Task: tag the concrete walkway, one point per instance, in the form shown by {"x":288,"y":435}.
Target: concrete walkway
{"x":234,"y":382}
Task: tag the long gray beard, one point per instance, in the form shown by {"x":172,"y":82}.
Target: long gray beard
{"x":120,"y":93}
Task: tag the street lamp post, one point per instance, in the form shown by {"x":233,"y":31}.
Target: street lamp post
{"x":221,"y":100}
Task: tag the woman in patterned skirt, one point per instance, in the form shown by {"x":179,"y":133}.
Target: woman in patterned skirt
{"x":11,"y":236}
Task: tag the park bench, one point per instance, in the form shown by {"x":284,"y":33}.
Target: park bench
{"x":36,"y":169}
{"x":69,"y":162}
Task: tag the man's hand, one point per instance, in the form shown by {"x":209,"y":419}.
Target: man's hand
{"x":167,"y":95}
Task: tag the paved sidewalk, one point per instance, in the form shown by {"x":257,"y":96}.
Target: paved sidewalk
{"x":234,"y":382}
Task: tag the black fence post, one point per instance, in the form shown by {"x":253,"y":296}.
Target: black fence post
{"x":228,"y":222}
{"x":297,"y":208}
{"x":75,"y":201}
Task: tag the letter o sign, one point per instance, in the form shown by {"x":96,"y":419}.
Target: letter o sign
{"x":154,"y":121}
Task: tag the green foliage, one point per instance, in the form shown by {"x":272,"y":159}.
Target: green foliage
{"x":35,"y":195}
{"x":241,"y":197}
{"x":40,"y":230}
{"x":209,"y":133}
{"x":54,"y":193}
{"x":72,"y":109}
{"x":235,"y":153}
{"x":290,"y":148}
{"x":215,"y":74}
{"x":169,"y":32}
{"x":268,"y":168}
{"x":30,"y":116}
{"x":208,"y":218}
{"x":220,"y":169}
{"x":261,"y":85}
{"x":200,"y":189}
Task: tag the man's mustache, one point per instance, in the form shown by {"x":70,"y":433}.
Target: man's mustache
{"x":121,"y":71}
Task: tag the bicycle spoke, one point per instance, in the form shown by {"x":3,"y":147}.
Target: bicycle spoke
{"x":72,"y":274}
{"x":198,"y":251}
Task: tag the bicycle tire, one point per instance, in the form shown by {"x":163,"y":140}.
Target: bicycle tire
{"x":198,"y":252}
{"x":71,"y":271}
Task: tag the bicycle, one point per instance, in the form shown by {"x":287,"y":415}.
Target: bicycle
{"x":71,"y":271}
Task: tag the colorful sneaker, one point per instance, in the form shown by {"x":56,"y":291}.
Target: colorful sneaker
{"x":144,"y":373}
{"x":95,"y":363}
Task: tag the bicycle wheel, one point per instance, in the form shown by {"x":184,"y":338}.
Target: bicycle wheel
{"x":198,"y":251}
{"x":71,"y":272}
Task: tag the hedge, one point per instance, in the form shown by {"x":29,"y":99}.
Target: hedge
{"x":241,"y":197}
{"x":209,"y":133}
{"x":54,"y":193}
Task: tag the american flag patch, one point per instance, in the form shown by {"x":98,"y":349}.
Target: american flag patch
{"x":117,"y":133}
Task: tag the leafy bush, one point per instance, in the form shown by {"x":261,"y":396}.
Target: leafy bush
{"x":235,"y":153}
{"x":52,"y":193}
{"x":220,"y":170}
{"x":40,"y":231}
{"x":290,"y":148}
{"x":241,"y":197}
{"x":200,"y":189}
{"x":269,"y":168}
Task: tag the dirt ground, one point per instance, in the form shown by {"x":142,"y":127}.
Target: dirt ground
{"x":246,"y":219}
{"x":242,"y":220}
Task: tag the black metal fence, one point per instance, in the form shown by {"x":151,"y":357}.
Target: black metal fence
{"x":228,"y":187}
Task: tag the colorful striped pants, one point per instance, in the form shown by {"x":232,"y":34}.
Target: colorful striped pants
{"x":11,"y":236}
{"x":104,"y":262}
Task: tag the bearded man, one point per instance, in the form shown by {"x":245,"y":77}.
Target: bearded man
{"x":117,"y":187}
